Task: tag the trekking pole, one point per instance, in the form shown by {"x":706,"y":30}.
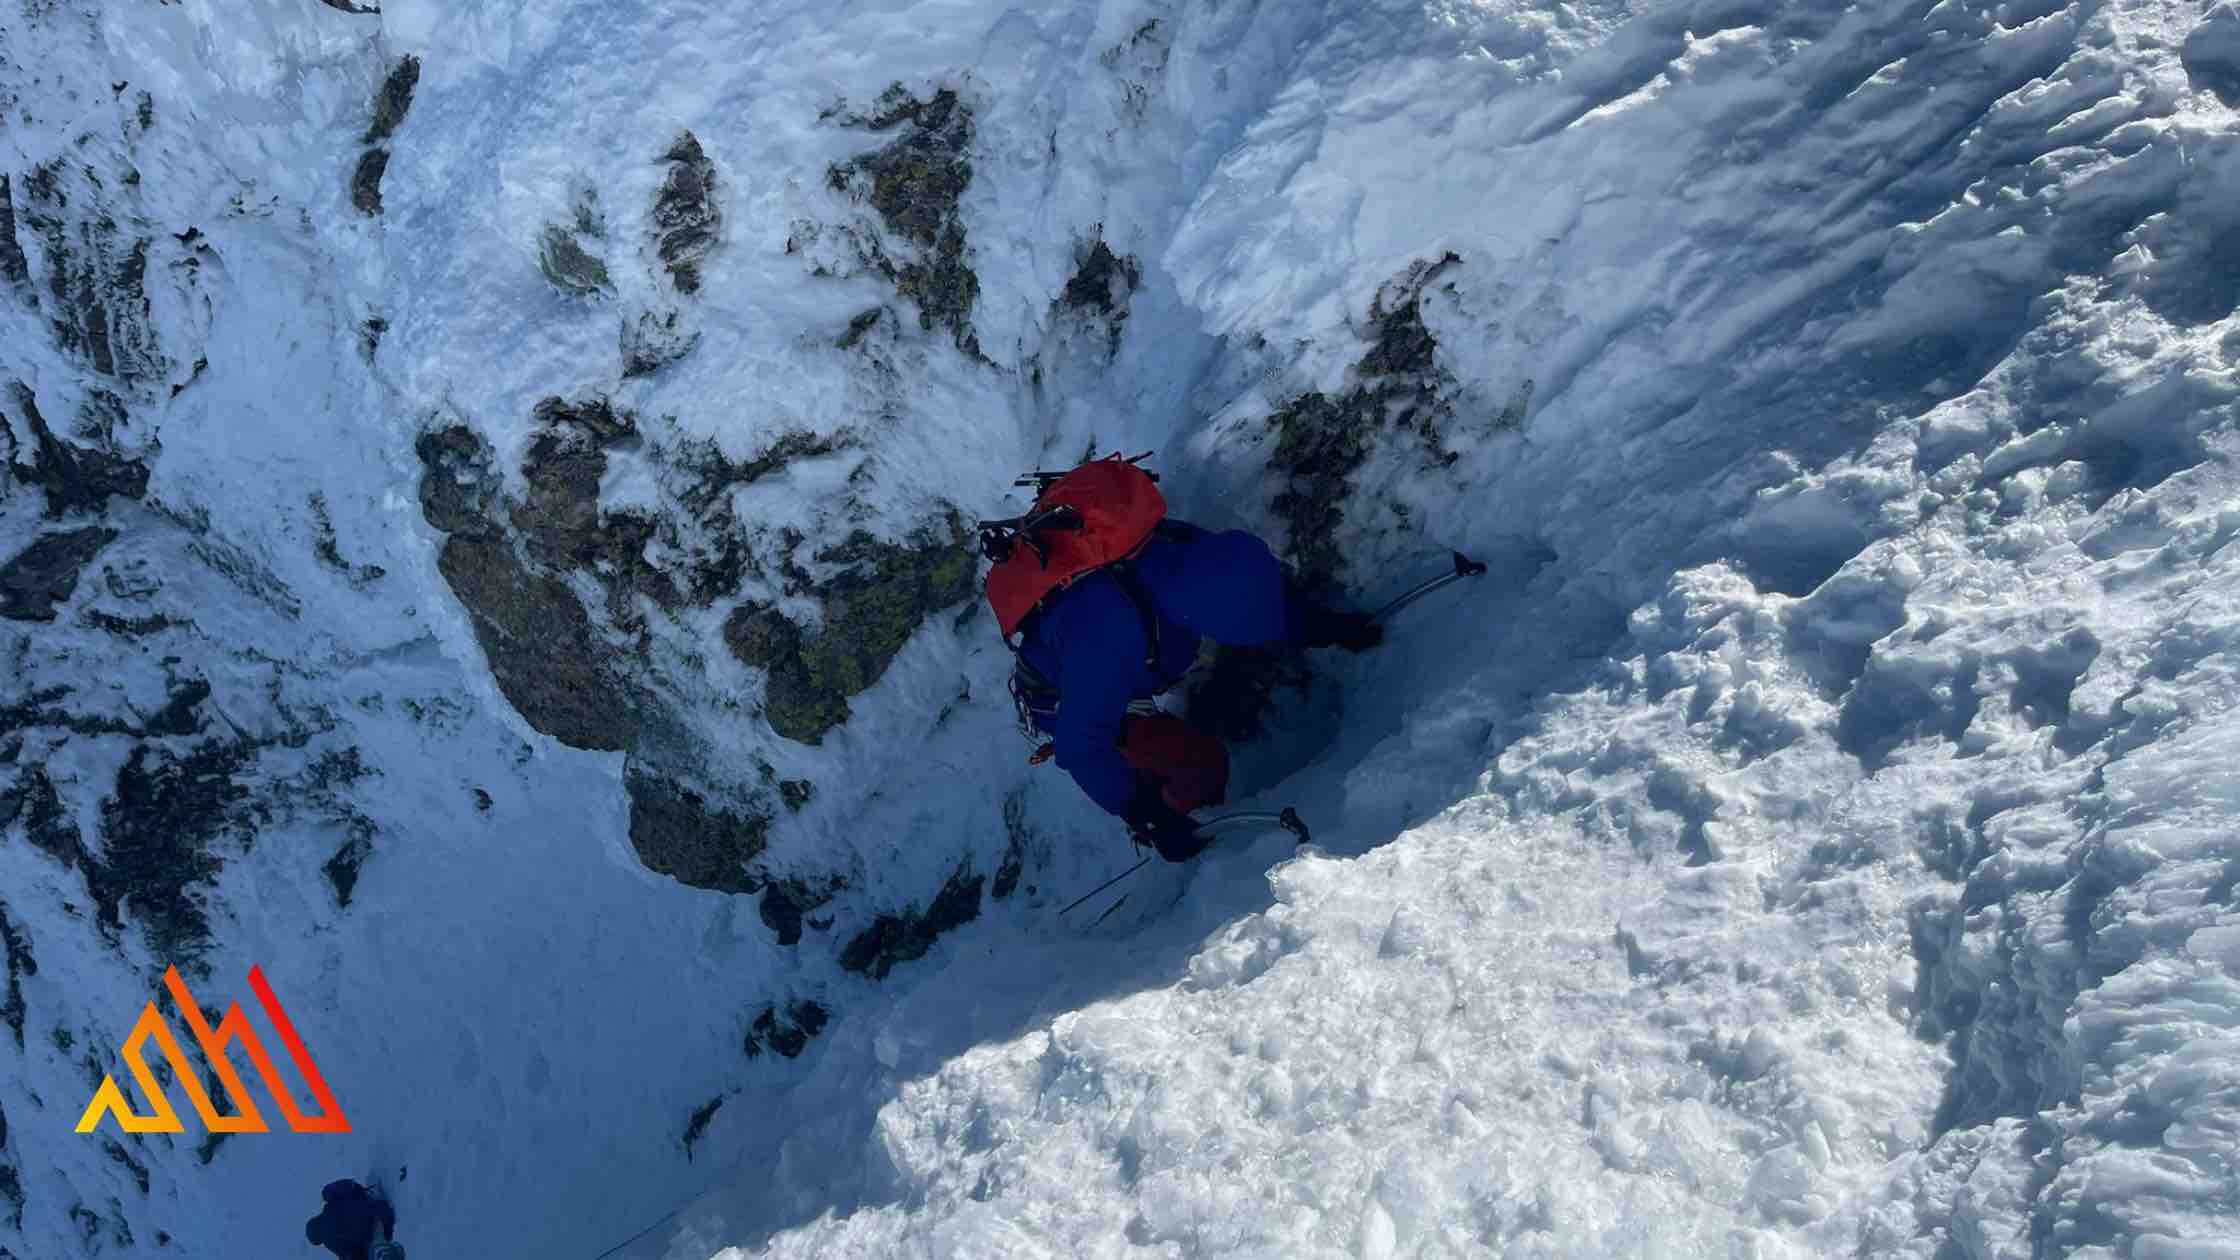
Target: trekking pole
{"x":1107,"y":884}
{"x":1288,"y":819}
{"x":1464,"y":567}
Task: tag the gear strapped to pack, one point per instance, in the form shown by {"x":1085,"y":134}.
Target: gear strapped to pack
{"x":1094,"y":518}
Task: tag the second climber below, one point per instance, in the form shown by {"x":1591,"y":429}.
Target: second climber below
{"x":1104,"y":600}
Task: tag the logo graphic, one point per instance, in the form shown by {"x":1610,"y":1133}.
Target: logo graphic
{"x":163,"y":1118}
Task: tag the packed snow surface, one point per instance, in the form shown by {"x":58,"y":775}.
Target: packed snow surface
{"x":1818,"y":834}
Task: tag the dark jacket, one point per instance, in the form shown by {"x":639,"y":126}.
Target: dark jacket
{"x":1089,"y":641}
{"x":346,"y":1225}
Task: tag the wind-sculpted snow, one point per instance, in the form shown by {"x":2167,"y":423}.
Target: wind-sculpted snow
{"x":481,"y":539}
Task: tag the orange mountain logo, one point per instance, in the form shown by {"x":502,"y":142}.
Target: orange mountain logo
{"x":163,"y":1118}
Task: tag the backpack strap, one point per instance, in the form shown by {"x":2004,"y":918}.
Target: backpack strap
{"x":1131,"y":584}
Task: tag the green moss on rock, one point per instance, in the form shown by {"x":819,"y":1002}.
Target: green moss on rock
{"x":915,"y":183}
{"x":870,"y":612}
{"x":571,"y":267}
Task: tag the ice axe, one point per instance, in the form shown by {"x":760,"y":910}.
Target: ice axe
{"x":1288,"y":819}
{"x":1464,"y":567}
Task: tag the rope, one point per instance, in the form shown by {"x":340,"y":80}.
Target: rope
{"x":659,"y":1221}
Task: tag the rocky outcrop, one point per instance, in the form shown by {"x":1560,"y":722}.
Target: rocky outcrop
{"x":1099,"y":291}
{"x":158,"y":830}
{"x":96,"y":273}
{"x":45,"y":574}
{"x":541,"y":646}
{"x":903,"y":937}
{"x":679,"y":832}
{"x":76,"y":479}
{"x":870,"y":611}
{"x":914,"y":182}
{"x":543,"y":649}
{"x":14,"y":267}
{"x":1323,"y":439}
{"x":572,"y":255}
{"x":785,"y":1032}
{"x":390,"y":105}
{"x":16,"y":946}
{"x":686,"y":217}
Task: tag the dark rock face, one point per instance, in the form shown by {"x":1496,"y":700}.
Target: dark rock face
{"x":900,"y":938}
{"x":679,"y":833}
{"x":11,"y":1185}
{"x":541,"y":647}
{"x":1099,"y":291}
{"x":653,"y":341}
{"x":569,"y":255}
{"x":45,"y":823}
{"x":1103,"y":282}
{"x":365,"y":182}
{"x":158,"y":829}
{"x":1323,"y":439}
{"x":686,"y":217}
{"x":393,"y":100}
{"x":75,"y":478}
{"x":390,"y":105}
{"x":96,"y":274}
{"x":14,"y":267}
{"x":786,"y":904}
{"x":698,"y":1123}
{"x":45,"y":574}
{"x":787,"y":1033}
{"x":342,"y":869}
{"x":20,"y":963}
{"x":915,"y":183}
{"x":870,"y":612}
{"x":458,"y":481}
{"x":543,"y":650}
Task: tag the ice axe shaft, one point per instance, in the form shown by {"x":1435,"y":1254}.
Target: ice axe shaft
{"x":1075,"y":904}
{"x":1288,"y":819}
{"x":1464,"y":567}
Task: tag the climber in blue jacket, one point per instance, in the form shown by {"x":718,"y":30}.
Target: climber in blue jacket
{"x":1126,"y":632}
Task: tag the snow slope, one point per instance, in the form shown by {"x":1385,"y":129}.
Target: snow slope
{"x":1815,"y":836}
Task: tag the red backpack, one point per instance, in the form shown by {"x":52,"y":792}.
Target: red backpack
{"x":1099,"y":514}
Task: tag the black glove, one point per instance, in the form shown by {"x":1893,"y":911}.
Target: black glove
{"x":1154,"y":822}
{"x":1327,"y":627}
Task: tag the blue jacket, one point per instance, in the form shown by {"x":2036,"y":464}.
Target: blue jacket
{"x":1088,"y":640}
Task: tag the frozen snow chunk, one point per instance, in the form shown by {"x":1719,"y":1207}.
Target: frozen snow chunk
{"x":1410,"y":932}
{"x":2211,"y":56}
{"x":2220,"y":944}
{"x":1781,"y":1187}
